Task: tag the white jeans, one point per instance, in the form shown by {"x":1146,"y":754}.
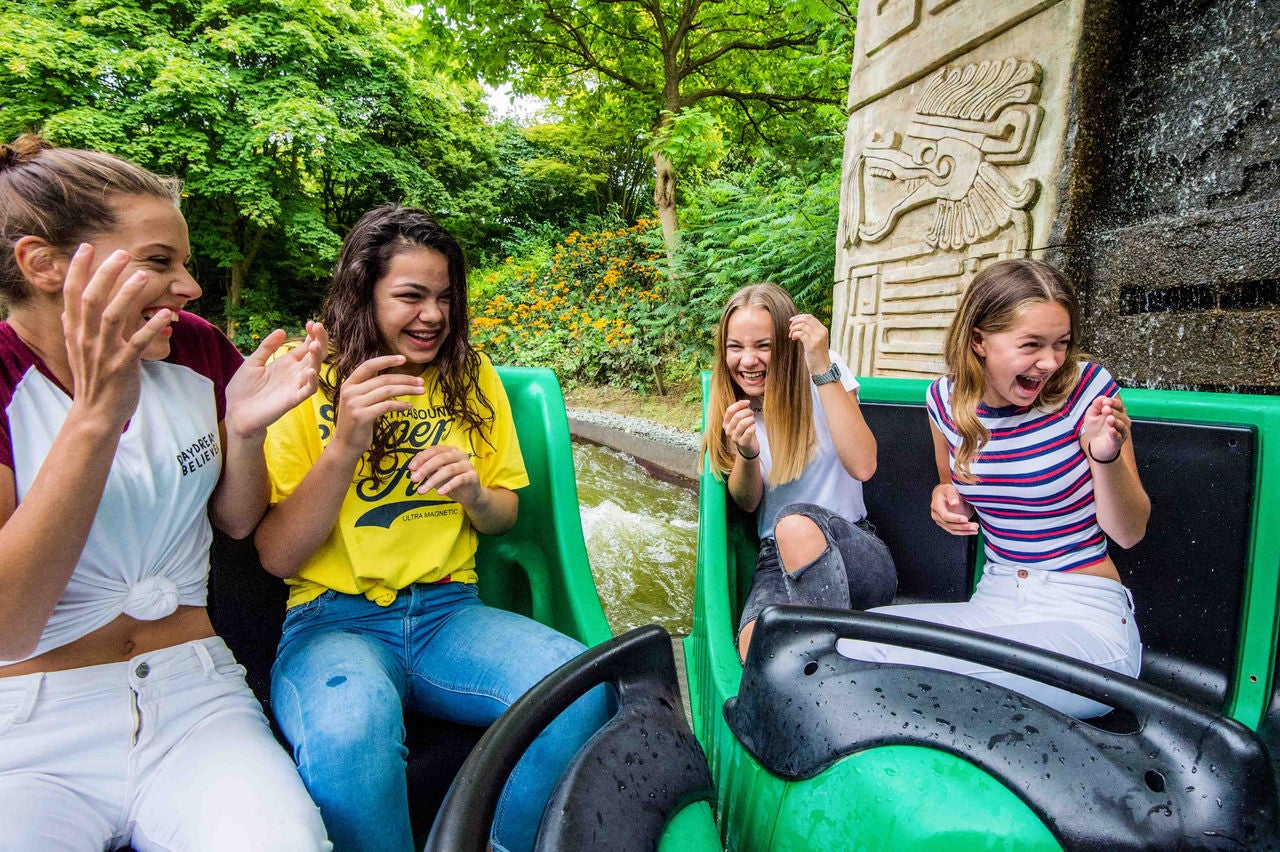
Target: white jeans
{"x":1080,"y":615}
{"x":167,"y":751}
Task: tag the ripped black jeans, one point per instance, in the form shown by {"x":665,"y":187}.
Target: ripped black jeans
{"x":854,"y":572}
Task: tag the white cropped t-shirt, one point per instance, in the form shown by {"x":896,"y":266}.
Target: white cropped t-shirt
{"x":148,"y":549}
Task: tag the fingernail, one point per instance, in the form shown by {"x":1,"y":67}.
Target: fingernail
{"x":81,"y":249}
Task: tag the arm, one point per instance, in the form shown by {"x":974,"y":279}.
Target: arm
{"x":854,"y":444}
{"x":1122,"y":504}
{"x":746,"y":485}
{"x":260,"y":392}
{"x":41,"y":539}
{"x":294,"y":528}
{"x":948,"y":509}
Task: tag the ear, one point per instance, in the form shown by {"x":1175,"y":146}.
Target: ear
{"x":976,"y":342}
{"x":42,"y":264}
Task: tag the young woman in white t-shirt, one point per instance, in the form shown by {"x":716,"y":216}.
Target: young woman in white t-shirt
{"x":796,"y":450}
{"x":127,"y":426}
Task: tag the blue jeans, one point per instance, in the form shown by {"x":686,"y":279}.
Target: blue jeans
{"x":347,"y":669}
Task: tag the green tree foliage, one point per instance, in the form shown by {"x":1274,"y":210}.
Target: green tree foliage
{"x":748,"y":63}
{"x":285,"y":118}
{"x":772,"y":221}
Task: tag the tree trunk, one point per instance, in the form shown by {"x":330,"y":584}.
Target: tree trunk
{"x":239,"y":273}
{"x":233,"y":295}
{"x":664,"y":196}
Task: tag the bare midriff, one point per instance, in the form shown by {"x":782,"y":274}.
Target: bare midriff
{"x":1105,"y":568}
{"x":118,"y":641}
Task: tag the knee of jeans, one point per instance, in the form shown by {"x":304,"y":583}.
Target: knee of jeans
{"x":800,"y":541}
{"x":340,"y":715}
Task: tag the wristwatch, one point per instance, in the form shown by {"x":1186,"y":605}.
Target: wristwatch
{"x":831,"y":375}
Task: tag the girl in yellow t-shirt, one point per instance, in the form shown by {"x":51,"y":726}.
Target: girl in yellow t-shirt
{"x":381,"y":481}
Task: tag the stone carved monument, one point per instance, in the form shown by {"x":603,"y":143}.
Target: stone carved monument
{"x":985,"y":129}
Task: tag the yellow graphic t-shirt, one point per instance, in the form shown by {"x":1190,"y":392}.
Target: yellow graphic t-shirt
{"x":388,"y":536}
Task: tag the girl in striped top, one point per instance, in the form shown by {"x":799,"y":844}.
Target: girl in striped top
{"x":1037,"y":443}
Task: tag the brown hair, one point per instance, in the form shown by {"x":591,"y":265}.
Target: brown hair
{"x":992,"y":304}
{"x":64,"y":196}
{"x":350,"y":316}
{"x":788,"y":409}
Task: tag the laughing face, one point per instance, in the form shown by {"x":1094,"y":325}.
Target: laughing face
{"x":411,"y":305}
{"x":748,"y":338}
{"x":154,"y":233}
{"x":1019,"y":360}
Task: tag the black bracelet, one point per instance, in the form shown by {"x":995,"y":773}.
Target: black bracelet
{"x":747,"y":457}
{"x":1088,"y":449}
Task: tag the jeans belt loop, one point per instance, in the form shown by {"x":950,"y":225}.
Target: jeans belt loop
{"x":206,"y":659}
{"x":29,"y":700}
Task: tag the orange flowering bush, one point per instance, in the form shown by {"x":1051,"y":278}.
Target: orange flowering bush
{"x":586,"y":312}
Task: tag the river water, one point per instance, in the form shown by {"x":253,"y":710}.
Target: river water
{"x":641,"y":536}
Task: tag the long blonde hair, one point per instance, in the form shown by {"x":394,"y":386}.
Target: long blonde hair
{"x":992,"y":304}
{"x":788,"y":409}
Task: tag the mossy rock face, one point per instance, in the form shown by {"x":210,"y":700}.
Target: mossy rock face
{"x":1174,"y":231}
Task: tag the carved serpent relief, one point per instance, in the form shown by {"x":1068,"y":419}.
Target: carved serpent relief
{"x":924,"y":204}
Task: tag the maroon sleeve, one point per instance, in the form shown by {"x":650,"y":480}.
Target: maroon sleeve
{"x":202,"y":347}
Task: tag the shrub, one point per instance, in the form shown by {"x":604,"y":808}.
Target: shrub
{"x":586,"y":312}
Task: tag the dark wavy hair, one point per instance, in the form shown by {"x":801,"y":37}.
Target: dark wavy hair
{"x":349,"y":315}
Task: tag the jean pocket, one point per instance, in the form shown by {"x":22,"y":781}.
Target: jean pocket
{"x":305,"y":612}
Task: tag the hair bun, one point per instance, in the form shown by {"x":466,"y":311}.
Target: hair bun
{"x":24,"y":148}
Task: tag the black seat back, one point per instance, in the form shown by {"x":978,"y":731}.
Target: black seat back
{"x":1188,"y":574}
{"x":932,"y":564}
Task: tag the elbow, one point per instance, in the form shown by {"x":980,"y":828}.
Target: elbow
{"x":1130,"y":537}
{"x":238,"y":529}
{"x":273,"y":561}
{"x":863,"y":469}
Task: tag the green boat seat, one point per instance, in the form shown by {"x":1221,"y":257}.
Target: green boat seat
{"x":539,"y":568}
{"x":1184,"y":772}
{"x":1206,"y":580}
{"x":641,"y":777}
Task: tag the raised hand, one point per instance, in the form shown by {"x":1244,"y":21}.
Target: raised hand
{"x":813,"y":337}
{"x":104,"y":352}
{"x":1105,"y":428}
{"x":367,"y":394}
{"x":448,"y":470}
{"x":740,"y":428}
{"x":262,"y":390}
{"x":951,"y":511}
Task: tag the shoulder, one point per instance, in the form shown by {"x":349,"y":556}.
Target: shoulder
{"x":938,"y":395}
{"x":1094,"y":381}
{"x":16,"y":358}
{"x":198,"y":344}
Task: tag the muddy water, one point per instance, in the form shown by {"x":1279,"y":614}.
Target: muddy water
{"x":641,"y":536}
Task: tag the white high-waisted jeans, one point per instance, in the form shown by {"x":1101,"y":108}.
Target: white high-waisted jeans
{"x":167,"y":751}
{"x":1080,"y":615}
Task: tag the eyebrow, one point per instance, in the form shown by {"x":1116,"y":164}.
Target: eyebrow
{"x":164,"y":247}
